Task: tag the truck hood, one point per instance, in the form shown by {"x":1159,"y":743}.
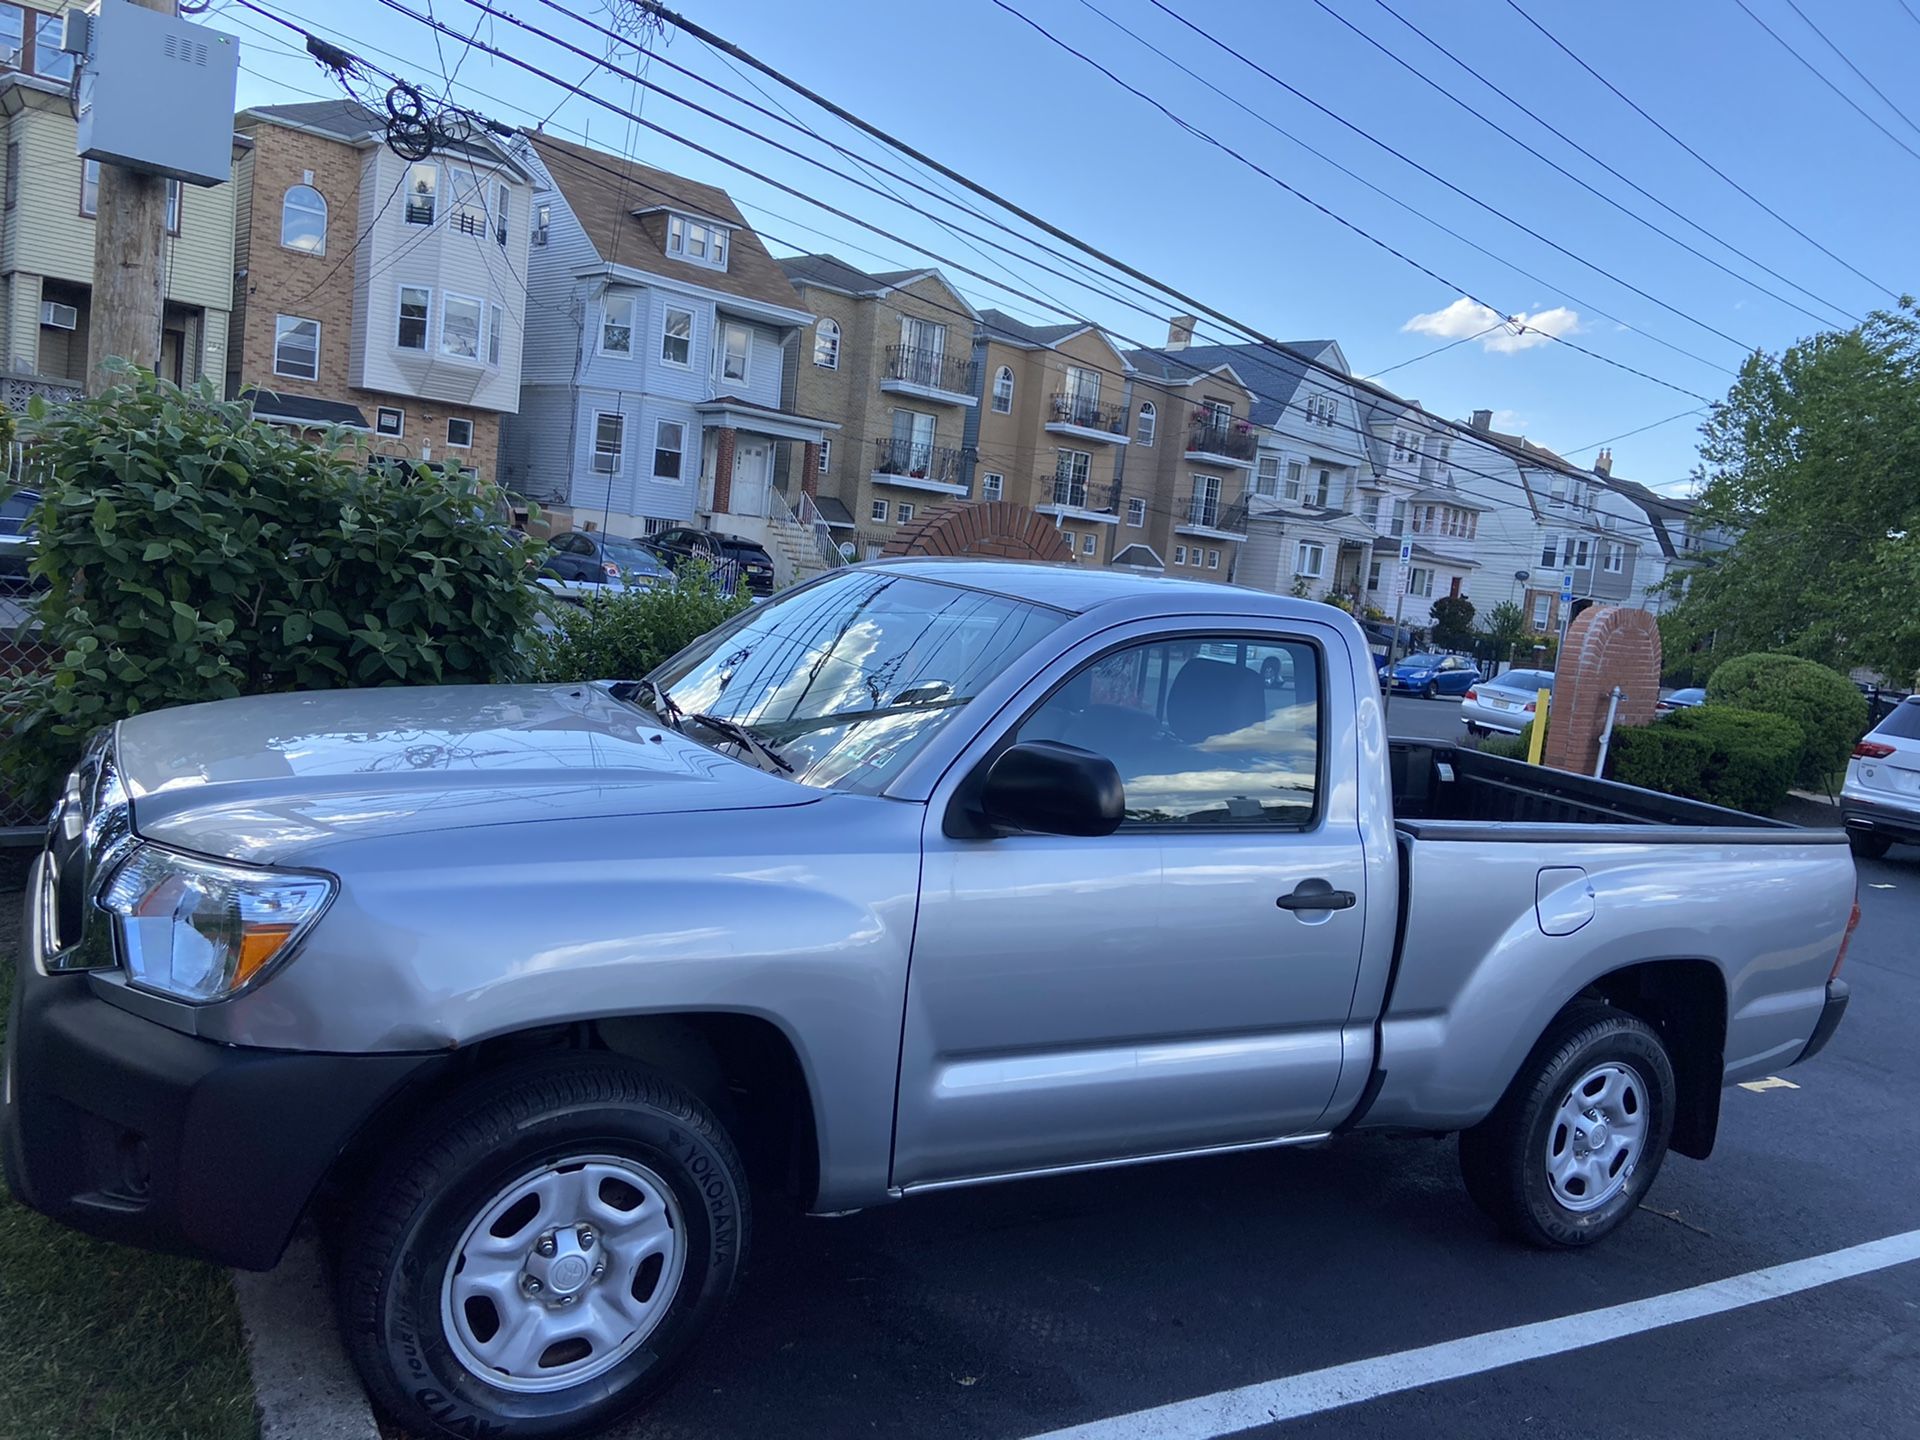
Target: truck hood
{"x":274,"y":777}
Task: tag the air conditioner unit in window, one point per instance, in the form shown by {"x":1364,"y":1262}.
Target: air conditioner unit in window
{"x":55,"y":316}
{"x":605,"y":464}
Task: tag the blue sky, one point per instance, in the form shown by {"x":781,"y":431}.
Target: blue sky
{"x":974,"y":86}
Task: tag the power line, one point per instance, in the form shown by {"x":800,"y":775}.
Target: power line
{"x":1575,"y":144}
{"x":1442,"y":349}
{"x":1826,"y":80}
{"x":1867,"y":80}
{"x":1626,"y":434}
{"x":1634,"y":105}
{"x":1394,"y":199}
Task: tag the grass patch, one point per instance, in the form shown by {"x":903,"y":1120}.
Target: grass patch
{"x":99,"y":1342}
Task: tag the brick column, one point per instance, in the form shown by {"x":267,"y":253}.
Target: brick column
{"x":723,"y":470}
{"x":810,"y":468}
{"x":1608,"y":645}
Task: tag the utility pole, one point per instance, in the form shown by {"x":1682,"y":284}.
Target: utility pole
{"x":129,"y":264}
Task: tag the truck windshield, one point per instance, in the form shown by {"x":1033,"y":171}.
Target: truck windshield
{"x":848,"y":679}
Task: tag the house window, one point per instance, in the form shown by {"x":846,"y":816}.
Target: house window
{"x":1376,"y":512}
{"x":905,"y":512}
{"x":459,"y":433}
{"x":1616,"y":559}
{"x":296,"y":347}
{"x":1149,"y":422}
{"x":13,"y":37}
{"x":676,"y":338}
{"x":616,"y":325}
{"x":1373,"y":575}
{"x":1320,"y":409}
{"x":496,"y":322}
{"x":423,"y":192}
{"x":669,"y":440}
{"x":609,"y":439}
{"x":173,"y":207}
{"x":460,"y":327}
{"x":1213,"y":559}
{"x":1136,"y":512}
{"x":1322,"y":488}
{"x":878,"y":511}
{"x":1550,"y":550}
{"x":416,"y":303}
{"x":697,"y":241}
{"x":1266,"y":480}
{"x":1310,"y":559}
{"x":303,"y":220}
{"x":1070,"y":474}
{"x":826,"y":455}
{"x":1542,"y":605}
{"x":89,"y":187}
{"x":390,"y":422}
{"x":1574,"y":552}
{"x":542,"y":223}
{"x":48,"y":58}
{"x":736,"y":342}
{"x":1296,"y":474}
{"x":1179,"y":554}
{"x":1203,"y":508}
{"x":1420,"y":582}
{"x":1399,"y":518}
{"x":1086,"y":544}
{"x":1003,"y":391}
{"x":826,"y":345}
{"x":991,"y":486}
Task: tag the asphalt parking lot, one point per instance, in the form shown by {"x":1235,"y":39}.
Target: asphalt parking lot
{"x":1027,"y":1309}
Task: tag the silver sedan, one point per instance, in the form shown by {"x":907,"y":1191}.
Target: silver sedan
{"x":1504,"y":705}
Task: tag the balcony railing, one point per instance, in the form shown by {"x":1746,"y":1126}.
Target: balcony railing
{"x":929,"y":369}
{"x":1070,"y":490}
{"x":18,"y":388}
{"x":1206,"y":514}
{"x":917,"y":462}
{"x":1223,"y":438}
{"x":1086,"y":412}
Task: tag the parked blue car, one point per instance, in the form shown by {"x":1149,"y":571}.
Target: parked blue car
{"x":1435,"y":675}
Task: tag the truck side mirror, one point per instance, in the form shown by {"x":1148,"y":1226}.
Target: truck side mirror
{"x":1053,"y":789}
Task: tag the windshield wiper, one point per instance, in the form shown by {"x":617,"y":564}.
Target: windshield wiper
{"x":742,"y":737}
{"x":659,"y":701}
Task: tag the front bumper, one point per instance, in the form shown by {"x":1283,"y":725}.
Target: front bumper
{"x":126,"y":1129}
{"x":1873,"y":817}
{"x":1831,"y":1015}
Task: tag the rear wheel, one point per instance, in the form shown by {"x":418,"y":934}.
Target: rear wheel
{"x":1578,"y":1138}
{"x":1869,"y":847}
{"x":538,"y":1262}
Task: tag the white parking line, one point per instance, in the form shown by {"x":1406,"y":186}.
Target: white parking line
{"x":1229,"y":1412}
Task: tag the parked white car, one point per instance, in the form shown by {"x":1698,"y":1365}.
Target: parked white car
{"x":1505,"y":704}
{"x":1880,"y":802}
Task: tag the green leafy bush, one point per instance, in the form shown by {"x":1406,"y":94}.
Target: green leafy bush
{"x":1742,"y":759}
{"x":1831,"y":713}
{"x":622,"y":637}
{"x":1514,"y":747}
{"x":193,"y":554}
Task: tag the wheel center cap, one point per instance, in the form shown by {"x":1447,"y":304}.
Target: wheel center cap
{"x":1598,"y":1133}
{"x":569,"y":1272}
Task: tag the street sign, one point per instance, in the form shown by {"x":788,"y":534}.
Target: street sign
{"x":1566,"y":589}
{"x":1406,"y":551}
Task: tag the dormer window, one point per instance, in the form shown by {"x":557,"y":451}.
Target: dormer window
{"x":697,"y":241}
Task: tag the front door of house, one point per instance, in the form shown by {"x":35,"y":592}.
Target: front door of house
{"x":752,"y":475}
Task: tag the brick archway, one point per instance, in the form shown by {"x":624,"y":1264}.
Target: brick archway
{"x":1607,"y":645}
{"x":998,"y":528}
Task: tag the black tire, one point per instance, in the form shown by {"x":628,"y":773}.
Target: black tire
{"x":1475,"y":731}
{"x":1432,"y":692}
{"x":1869,"y":847}
{"x":1502,"y":1159}
{"x":412,"y":1216}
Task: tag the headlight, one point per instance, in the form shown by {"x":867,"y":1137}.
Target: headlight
{"x":199,"y":930}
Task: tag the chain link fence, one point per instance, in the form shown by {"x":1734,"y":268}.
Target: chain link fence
{"x":21,"y":823}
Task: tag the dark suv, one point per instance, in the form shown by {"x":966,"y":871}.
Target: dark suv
{"x":683,"y":543}
{"x":18,"y":540}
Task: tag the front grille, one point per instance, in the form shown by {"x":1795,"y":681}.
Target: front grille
{"x":90,"y":831}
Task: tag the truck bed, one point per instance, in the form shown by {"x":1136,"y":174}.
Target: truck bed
{"x":1443,"y":791}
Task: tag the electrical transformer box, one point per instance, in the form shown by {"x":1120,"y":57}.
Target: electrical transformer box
{"x":156,"y":92}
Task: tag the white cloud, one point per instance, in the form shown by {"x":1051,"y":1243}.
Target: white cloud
{"x":1465,"y":318}
{"x":1509,"y":422}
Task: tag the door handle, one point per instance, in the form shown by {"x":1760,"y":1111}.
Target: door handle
{"x":1317,"y":895}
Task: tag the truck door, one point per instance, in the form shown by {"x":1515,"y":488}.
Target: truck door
{"x":1178,"y":985}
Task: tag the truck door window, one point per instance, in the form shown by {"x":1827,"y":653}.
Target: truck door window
{"x":1204,"y":731}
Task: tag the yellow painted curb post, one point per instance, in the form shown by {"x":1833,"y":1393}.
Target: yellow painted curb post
{"x":1539,"y":741}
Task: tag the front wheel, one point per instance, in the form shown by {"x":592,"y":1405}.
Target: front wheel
{"x":536,"y":1264}
{"x":1869,"y":847}
{"x":1432,"y":692}
{"x":1565,"y":1157}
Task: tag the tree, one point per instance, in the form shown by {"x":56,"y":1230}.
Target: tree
{"x":1810,"y":463}
{"x":1453,"y":622}
{"x":1506,"y":624}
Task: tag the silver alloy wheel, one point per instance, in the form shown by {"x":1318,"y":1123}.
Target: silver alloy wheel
{"x":564,"y":1273}
{"x":1597,"y":1136}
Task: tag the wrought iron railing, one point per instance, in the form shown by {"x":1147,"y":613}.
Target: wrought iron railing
{"x":1224,"y":438}
{"x":915,"y":460}
{"x":1068,"y":408}
{"x":933,"y":369}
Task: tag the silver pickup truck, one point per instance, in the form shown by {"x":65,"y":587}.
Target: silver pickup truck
{"x":926,"y":874}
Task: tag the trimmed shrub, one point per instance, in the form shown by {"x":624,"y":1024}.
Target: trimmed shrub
{"x":1742,"y":759}
{"x":193,"y":554}
{"x":1830,"y":712}
{"x":1514,"y":747}
{"x":622,"y":637}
